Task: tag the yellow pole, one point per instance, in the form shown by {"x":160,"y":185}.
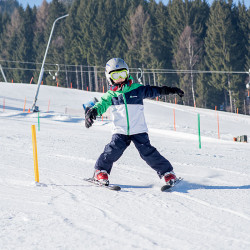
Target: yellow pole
{"x":33,"y":129}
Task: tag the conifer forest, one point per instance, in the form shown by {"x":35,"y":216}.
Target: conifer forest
{"x":201,"y":48}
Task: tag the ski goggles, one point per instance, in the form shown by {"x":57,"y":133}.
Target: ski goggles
{"x":119,"y":74}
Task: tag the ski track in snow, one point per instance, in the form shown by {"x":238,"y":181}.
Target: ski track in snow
{"x":213,"y":206}
{"x":209,"y":209}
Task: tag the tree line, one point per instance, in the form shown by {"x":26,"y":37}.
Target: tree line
{"x":200,"y":48}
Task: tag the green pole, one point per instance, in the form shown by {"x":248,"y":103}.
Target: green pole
{"x":38,"y":121}
{"x":199,"y":130}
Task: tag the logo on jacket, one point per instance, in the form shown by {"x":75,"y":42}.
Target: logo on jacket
{"x":133,"y":96}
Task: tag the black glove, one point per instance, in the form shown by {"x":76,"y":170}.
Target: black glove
{"x":171,"y":90}
{"x":90,"y":117}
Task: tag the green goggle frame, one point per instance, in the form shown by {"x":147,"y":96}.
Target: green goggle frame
{"x":119,"y":74}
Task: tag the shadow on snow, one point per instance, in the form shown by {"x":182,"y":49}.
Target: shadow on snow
{"x":186,"y":186}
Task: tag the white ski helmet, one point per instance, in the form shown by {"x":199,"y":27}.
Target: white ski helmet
{"x":114,"y":64}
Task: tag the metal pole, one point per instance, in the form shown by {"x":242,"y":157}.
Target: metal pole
{"x":82,"y":77}
{"x":4,"y":77}
{"x":77,"y":82}
{"x":67,"y":80}
{"x":34,"y":107}
{"x":154,"y":79}
{"x":90,"y":85}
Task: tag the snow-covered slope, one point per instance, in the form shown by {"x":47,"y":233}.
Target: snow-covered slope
{"x":210,"y":209}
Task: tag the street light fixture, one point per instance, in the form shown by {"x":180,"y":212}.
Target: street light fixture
{"x":34,"y":107}
{"x":248,"y":84}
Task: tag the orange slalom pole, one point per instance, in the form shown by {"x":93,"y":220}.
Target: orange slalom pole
{"x":24,"y":104}
{"x":33,"y":129}
{"x":218,"y":125}
{"x":31,"y":79}
{"x":174,"y":120}
{"x":71,"y":85}
{"x":87,"y":88}
{"x":237,"y":111}
{"x":12,"y":81}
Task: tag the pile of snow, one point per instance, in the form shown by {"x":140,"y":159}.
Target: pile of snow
{"x":209,"y":209}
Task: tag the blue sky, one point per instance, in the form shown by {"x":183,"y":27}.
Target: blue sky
{"x":31,"y":2}
{"x":38,"y":2}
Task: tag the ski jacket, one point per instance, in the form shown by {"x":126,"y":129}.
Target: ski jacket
{"x":127,"y":107}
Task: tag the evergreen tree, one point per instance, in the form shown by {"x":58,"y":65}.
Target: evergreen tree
{"x":202,"y":86}
{"x":244,"y":32}
{"x":199,"y":13}
{"x":183,"y":14}
{"x":73,"y":53}
{"x":40,"y":39}
{"x":8,"y":6}
{"x":155,"y":46}
{"x":178,"y":20}
{"x":4,"y":21}
{"x":187,"y":57}
{"x":221,"y":53}
{"x":86,"y":15}
{"x":240,"y":21}
{"x":25,"y":45}
{"x":55,"y":53}
{"x":40,"y":26}
{"x":160,"y":41}
{"x":133,"y":35}
{"x":11,"y":44}
{"x":73,"y":36}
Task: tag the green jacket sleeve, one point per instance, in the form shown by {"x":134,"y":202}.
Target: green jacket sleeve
{"x":104,"y":103}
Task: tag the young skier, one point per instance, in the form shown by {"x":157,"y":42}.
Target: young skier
{"x":126,"y":101}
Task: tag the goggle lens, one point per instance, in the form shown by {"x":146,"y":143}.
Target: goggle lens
{"x":119,"y":74}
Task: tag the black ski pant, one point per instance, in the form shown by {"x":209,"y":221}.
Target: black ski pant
{"x":114,"y":150}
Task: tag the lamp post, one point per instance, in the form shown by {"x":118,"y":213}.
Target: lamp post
{"x":34,"y":107}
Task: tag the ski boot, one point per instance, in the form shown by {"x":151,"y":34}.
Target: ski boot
{"x":170,"y":178}
{"x":101,"y":176}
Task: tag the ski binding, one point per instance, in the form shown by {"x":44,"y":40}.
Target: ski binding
{"x":97,"y":183}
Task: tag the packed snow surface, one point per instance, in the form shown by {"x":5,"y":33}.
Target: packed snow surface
{"x":209,"y":209}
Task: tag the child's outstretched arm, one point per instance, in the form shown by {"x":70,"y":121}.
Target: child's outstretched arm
{"x":99,"y":108}
{"x":153,"y":91}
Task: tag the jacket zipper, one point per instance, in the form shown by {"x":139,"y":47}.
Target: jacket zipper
{"x":126,"y":107}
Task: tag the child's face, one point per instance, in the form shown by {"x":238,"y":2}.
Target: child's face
{"x":119,"y":81}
